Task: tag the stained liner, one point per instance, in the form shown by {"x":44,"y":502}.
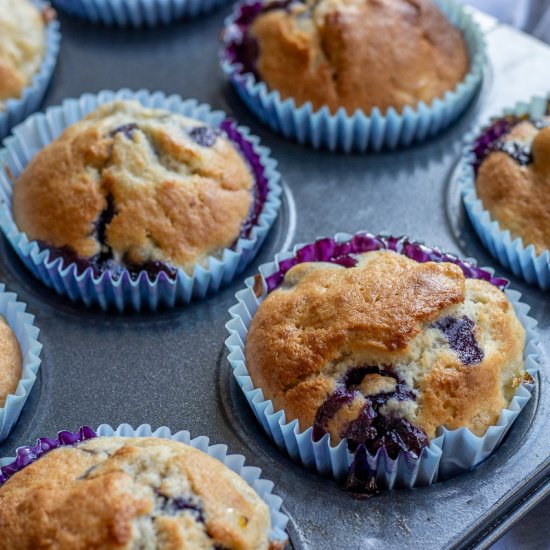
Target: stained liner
{"x":511,"y":252}
{"x":17,"y":109}
{"x":263,"y":487}
{"x":22,"y":325}
{"x":124,"y":291}
{"x":360,"y":131}
{"x":450,"y":453}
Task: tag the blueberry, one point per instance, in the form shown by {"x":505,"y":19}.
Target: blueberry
{"x":460,"y":334}
{"x":126,"y":129}
{"x":173,"y":506}
{"x":492,"y":139}
{"x":355,"y":376}
{"x":104,"y":219}
{"x":205,"y":136}
{"x":371,"y":429}
{"x":361,"y":430}
{"x":522,"y":154}
{"x":361,"y":479}
{"x":398,"y":434}
{"x":328,"y":409}
{"x":540,"y":124}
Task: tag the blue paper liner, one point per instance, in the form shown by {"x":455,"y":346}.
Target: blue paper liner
{"x":450,"y":453}
{"x":17,"y":109}
{"x":137,"y":13}
{"x":263,"y":487}
{"x":110,"y":290}
{"x":360,"y":131}
{"x":511,"y":252}
{"x":22,"y":325}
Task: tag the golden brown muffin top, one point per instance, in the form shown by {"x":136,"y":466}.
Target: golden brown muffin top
{"x":517,"y":194}
{"x":413,"y":341}
{"x":137,"y":184}
{"x":22,"y":42}
{"x":10,"y":361}
{"x":122,"y":493}
{"x":360,"y":54}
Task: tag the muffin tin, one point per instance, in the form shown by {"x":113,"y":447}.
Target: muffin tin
{"x":170,"y":368}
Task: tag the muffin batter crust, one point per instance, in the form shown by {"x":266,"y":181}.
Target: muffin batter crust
{"x":10,"y":361}
{"x":123,"y":493}
{"x":138,"y":185}
{"x":359,"y":54}
{"x":414,"y":342}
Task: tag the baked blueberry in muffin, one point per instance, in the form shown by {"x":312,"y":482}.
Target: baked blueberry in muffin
{"x":22,"y":44}
{"x":136,"y":188}
{"x":512,"y":164}
{"x":10,"y":362}
{"x":356,"y":54}
{"x":116,"y":492}
{"x":383,"y":350}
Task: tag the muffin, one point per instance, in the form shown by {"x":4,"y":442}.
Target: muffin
{"x":136,"y":188}
{"x":116,"y":492}
{"x":384,"y":350}
{"x":22,"y":46}
{"x":10,"y":362}
{"x":355,"y":54}
{"x":512,"y":165}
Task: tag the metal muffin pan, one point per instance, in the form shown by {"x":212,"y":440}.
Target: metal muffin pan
{"x":170,"y":368}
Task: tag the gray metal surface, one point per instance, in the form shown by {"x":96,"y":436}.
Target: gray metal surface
{"x":170,"y":368}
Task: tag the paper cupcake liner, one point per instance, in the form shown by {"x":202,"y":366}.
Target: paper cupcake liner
{"x":511,"y":252}
{"x":124,"y":292}
{"x":137,"y":13}
{"x":450,"y":453}
{"x":360,"y":131}
{"x":263,"y":487}
{"x":22,"y":325}
{"x":17,"y":109}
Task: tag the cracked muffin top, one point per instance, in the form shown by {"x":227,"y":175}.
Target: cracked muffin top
{"x":10,"y":361}
{"x":356,"y":54}
{"x":513,"y":179}
{"x":22,"y":42}
{"x":133,"y":186}
{"x":387,"y":351}
{"x":123,"y":493}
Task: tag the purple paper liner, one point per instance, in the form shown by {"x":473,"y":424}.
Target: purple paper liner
{"x":329,"y":250}
{"x":28,"y":455}
{"x":261,"y":189}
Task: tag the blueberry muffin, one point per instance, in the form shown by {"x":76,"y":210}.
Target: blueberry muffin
{"x":10,"y":362}
{"x":115,"y":493}
{"x":136,"y":188}
{"x":22,"y":44}
{"x":513,"y":177}
{"x":356,"y":54}
{"x":386,"y":351}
